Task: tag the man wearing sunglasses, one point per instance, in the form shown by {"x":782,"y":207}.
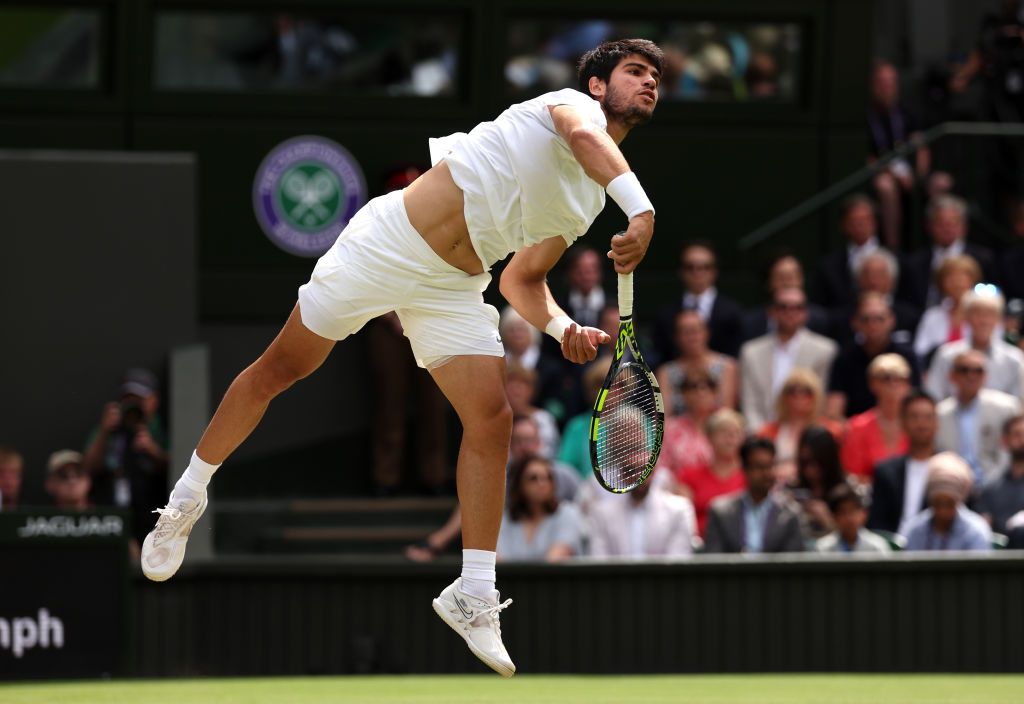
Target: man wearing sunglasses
{"x":972,"y":419}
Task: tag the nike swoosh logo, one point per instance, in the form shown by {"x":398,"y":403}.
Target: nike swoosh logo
{"x":462,"y":608}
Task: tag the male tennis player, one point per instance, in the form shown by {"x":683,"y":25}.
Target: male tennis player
{"x":530,"y":182}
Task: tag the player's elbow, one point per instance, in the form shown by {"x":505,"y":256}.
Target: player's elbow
{"x":584,"y":139}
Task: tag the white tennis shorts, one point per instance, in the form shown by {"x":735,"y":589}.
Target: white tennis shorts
{"x":380,"y":263}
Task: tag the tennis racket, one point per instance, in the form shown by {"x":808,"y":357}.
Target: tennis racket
{"x":628,"y":423}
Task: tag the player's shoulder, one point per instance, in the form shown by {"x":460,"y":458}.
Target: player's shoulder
{"x":565,"y":96}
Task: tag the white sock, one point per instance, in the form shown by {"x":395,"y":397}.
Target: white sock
{"x":478,"y":574}
{"x":192,"y":484}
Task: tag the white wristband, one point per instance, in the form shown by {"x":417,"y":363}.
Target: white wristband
{"x":557,"y":326}
{"x":626,"y":191}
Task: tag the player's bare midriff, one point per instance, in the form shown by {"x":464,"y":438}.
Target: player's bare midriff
{"x":435,"y":208}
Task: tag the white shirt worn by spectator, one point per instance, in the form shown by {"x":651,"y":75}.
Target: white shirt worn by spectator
{"x":661,"y":525}
{"x":933,"y":330}
{"x":702,"y":303}
{"x":1004,"y":370}
{"x":529,"y":358}
{"x":588,"y":307}
{"x":518,"y":190}
{"x":913,"y":491}
{"x":855,"y":253}
{"x":783,"y":356}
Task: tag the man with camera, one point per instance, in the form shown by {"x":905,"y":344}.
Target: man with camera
{"x":126,"y":454}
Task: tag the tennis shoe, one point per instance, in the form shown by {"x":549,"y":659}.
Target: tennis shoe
{"x":164,"y":548}
{"x":476,"y":620}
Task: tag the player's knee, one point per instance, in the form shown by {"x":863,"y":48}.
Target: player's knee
{"x":269,"y":378}
{"x":494,"y":420}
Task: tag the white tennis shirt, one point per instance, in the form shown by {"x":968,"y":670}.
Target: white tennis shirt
{"x":520,"y":180}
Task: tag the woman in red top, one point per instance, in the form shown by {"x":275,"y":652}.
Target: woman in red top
{"x":724,"y":474}
{"x":685,"y":444}
{"x":877,"y":433}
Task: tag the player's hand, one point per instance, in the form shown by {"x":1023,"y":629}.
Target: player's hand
{"x":628,"y":248}
{"x":579,"y":345}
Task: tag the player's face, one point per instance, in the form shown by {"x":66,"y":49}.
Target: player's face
{"x":632,"y":91}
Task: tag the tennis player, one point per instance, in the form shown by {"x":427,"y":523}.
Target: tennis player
{"x":530,"y":182}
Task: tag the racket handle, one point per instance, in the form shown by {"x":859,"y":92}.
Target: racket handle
{"x":625,"y":296}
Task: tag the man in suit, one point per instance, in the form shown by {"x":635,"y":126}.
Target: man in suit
{"x":698,"y":272}
{"x":834,"y":285}
{"x":878,"y":272}
{"x":757,"y":519}
{"x":766,"y":361}
{"x":971,"y":420}
{"x":898,"y":493}
{"x":648,"y":521}
{"x":947,"y":227}
{"x":782,"y":270}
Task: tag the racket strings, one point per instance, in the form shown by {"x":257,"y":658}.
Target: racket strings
{"x":626,"y":438}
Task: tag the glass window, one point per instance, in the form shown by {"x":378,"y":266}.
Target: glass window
{"x":49,"y":48}
{"x":704,"y":60}
{"x":372,"y":55}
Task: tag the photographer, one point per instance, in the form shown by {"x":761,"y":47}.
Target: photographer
{"x":126,"y":456}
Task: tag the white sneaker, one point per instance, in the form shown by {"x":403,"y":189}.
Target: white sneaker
{"x":164,"y":547}
{"x":476,"y":620}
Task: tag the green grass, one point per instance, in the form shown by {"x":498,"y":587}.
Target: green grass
{"x":535,"y":689}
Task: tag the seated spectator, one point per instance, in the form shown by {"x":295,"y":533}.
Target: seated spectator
{"x":947,"y":524}
{"x":126,"y":454}
{"x":67,"y":482}
{"x":1003,"y":498}
{"x":818,"y":473}
{"x":536,"y":525}
{"x":756,"y":520}
{"x":944,"y":321}
{"x":877,"y":433}
{"x":585,"y":299}
{"x":890,"y":126}
{"x":798,"y":407}
{"x":897,"y":494}
{"x":556,"y":385}
{"x":723,"y":475}
{"x":521,"y":388}
{"x":846,"y":503}
{"x":575,"y":447}
{"x":782,"y":271}
{"x":834,"y":284}
{"x":873,"y":323}
{"x":647,"y":522}
{"x":971,"y":420}
{"x":983,"y":311}
{"x":766,"y":362}
{"x":878,"y":272}
{"x":685,"y":445}
{"x":692,"y":342}
{"x":946,"y":220}
{"x":609,"y":323}
{"x":12,"y":468}
{"x":698,"y":272}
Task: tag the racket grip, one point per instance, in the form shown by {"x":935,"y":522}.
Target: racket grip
{"x":625,"y":295}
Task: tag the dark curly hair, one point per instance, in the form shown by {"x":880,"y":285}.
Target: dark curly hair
{"x":602,"y":60}
{"x":517,"y":507}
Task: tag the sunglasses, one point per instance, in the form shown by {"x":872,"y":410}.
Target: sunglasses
{"x":698,"y":266}
{"x":537,"y":478}
{"x":790,"y":307}
{"x":66,"y":474}
{"x":698,"y":386}
{"x":876,"y":318}
{"x":961,"y":369}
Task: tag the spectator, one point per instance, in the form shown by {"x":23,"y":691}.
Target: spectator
{"x":849,"y":515}
{"x":698,"y":272}
{"x":1004,"y":498}
{"x":575,"y":448}
{"x":890,"y":126}
{"x":898,"y":492}
{"x":834,"y":284}
{"x":67,"y":482}
{"x":685,"y":445}
{"x":971,"y":420}
{"x":556,"y":389}
{"x":647,"y":522}
{"x":766,"y":362}
{"x":798,"y":407}
{"x":126,"y":454}
{"x":818,"y":473}
{"x":782,"y":271}
{"x":879,"y":272}
{"x":609,"y":323}
{"x":12,"y":467}
{"x":757,"y":520}
{"x":873,"y":324}
{"x":586,"y":298}
{"x":947,"y":524}
{"x":692,"y":342}
{"x":521,"y":387}
{"x":983,"y":311}
{"x":877,"y":433}
{"x":944,"y":322}
{"x":723,"y":475}
{"x":536,"y":525}
{"x":947,"y":226}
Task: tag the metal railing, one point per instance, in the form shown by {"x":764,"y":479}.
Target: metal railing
{"x":862,"y":175}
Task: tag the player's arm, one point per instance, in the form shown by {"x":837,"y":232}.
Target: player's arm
{"x":604,"y":163}
{"x":524,"y":285}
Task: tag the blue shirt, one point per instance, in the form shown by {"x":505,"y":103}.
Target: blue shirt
{"x":754,"y":520}
{"x":967,"y":424}
{"x":968,"y":532}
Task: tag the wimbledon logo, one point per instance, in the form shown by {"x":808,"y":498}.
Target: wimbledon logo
{"x":305,"y":192}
